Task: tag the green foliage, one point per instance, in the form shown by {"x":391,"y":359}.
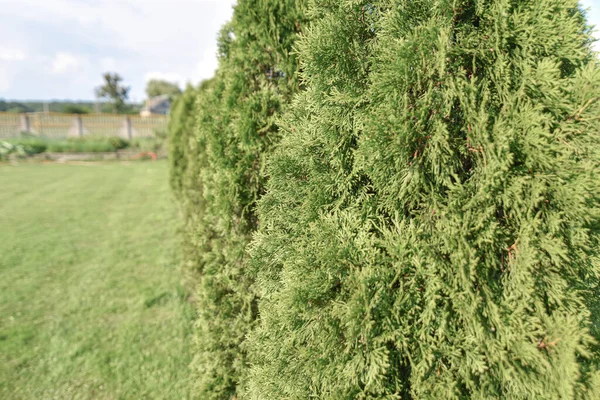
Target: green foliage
{"x":156,"y":145}
{"x":12,"y":106}
{"x":87,"y":145}
{"x":157,"y":87}
{"x":218,"y":174}
{"x":32,"y":144}
{"x":24,"y":146}
{"x":430,"y":228}
{"x":79,"y":107}
{"x":184,"y":158}
{"x":79,"y":146}
{"x":9,"y":149}
{"x":118,"y":143}
{"x":256,"y":80}
{"x":161,"y":133}
{"x":76,"y":109}
{"x":17,"y":109}
{"x":180,"y":132}
{"x":114,"y":91}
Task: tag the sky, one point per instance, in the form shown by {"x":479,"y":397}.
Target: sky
{"x":593,"y":7}
{"x":59,"y":49}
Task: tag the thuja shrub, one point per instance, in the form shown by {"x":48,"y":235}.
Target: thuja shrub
{"x":180,"y":131}
{"x":236,"y":128}
{"x":196,"y":106}
{"x":430,"y":228}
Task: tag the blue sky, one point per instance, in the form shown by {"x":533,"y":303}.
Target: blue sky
{"x":593,"y":7}
{"x":58,"y":49}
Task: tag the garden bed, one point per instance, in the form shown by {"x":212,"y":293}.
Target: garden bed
{"x":95,"y":156}
{"x":81,"y":149}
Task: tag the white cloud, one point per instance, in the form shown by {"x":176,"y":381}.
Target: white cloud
{"x":172,"y":77}
{"x":78,"y":40}
{"x":593,"y":14}
{"x":65,"y":62}
{"x":4,"y":79}
{"x":208,"y":64}
{"x":10,"y":54}
{"x":205,"y":69}
{"x":108,"y":64}
{"x":133,"y":23}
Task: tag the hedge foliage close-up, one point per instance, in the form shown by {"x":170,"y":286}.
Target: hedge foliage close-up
{"x":220,"y":136}
{"x":394,"y":199}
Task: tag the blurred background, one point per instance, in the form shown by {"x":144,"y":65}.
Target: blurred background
{"x":60,"y":49}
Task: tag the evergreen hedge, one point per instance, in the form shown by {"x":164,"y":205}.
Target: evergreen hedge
{"x":180,"y":131}
{"x":430,"y":228}
{"x":194,"y":106}
{"x":218,"y":174}
{"x":430,"y":223}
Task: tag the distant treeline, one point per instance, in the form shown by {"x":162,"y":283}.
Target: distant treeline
{"x":71,"y":107}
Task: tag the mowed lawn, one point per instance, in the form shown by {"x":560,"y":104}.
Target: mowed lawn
{"x":91,"y":305}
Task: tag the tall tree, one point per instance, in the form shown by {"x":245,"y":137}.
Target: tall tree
{"x":430,"y":229}
{"x":114,"y":91}
{"x":157,"y":87}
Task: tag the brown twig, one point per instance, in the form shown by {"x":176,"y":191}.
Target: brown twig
{"x":582,"y":109}
{"x":544,"y":344}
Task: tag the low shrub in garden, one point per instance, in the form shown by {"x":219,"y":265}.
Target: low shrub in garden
{"x":147,"y":144}
{"x":8,"y":150}
{"x":30,"y":144}
{"x":118,"y":143}
{"x":90,"y":144}
{"x":87,"y":145}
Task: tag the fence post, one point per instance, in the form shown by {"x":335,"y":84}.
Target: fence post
{"x":24,"y":125}
{"x":129,"y":129}
{"x":79,"y":125}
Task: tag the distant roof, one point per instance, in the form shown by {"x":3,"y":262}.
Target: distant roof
{"x":158,"y":105}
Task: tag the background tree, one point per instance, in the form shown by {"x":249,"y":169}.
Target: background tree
{"x":17,"y":109}
{"x":157,"y":87}
{"x":430,"y":228}
{"x":76,"y":109}
{"x":14,"y":107}
{"x":114,"y":91}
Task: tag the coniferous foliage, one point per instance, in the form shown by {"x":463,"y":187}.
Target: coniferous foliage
{"x":187,"y":158}
{"x":430,"y":228}
{"x":235,"y":129}
{"x":180,"y":130}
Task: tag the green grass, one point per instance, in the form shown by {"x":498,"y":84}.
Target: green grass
{"x":90,"y":301}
